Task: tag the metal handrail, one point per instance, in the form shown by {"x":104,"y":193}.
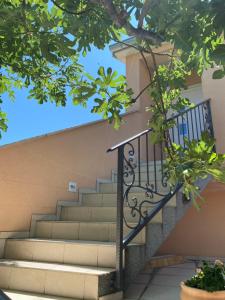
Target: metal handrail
{"x":198,"y":120}
{"x":183,"y":112}
{"x":129,"y":140}
{"x":113,"y":148}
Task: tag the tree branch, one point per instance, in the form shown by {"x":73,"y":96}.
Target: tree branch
{"x":143,"y":90}
{"x":70,"y":12}
{"x":145,"y":9}
{"x":147,"y":66}
{"x":141,"y":51}
{"x":120,"y":19}
{"x":144,"y":50}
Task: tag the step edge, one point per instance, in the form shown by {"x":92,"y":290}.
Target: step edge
{"x":52,"y":267}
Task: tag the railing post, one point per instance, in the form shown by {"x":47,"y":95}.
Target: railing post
{"x":119,"y":220}
{"x":210,"y":118}
{"x":210,"y":121}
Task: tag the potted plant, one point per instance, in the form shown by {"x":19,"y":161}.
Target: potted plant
{"x":207,"y":284}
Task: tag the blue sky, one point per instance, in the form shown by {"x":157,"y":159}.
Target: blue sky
{"x":28,"y":119}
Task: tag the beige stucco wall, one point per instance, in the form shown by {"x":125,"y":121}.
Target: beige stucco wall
{"x":201,"y":233}
{"x":214,"y":89}
{"x":35,"y":173}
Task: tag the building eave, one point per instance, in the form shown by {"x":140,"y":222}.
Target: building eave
{"x":122,"y":50}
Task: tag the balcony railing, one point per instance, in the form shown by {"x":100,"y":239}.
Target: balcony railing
{"x":141,"y":168}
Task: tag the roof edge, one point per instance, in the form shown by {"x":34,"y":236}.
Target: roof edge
{"x":65,"y":130}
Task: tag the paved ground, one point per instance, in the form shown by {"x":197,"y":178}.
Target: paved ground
{"x":160,"y":284}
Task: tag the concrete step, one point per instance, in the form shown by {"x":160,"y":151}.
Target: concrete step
{"x":87,"y":231}
{"x":63,"y":252}
{"x":151,"y":166}
{"x":102,"y":214}
{"x":144,"y":177}
{"x":56,"y":279}
{"x":112,"y":187}
{"x":16,"y":295}
{"x":109,"y":199}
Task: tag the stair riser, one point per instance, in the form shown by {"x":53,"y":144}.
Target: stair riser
{"x":109,"y":200}
{"x":143,"y":167}
{"x":15,"y":295}
{"x":112,"y":187}
{"x":63,"y":253}
{"x":143,"y":177}
{"x":101,"y":214}
{"x":104,"y":232}
{"x":55,"y":283}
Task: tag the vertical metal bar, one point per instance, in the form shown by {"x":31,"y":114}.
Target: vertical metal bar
{"x":173,"y":134}
{"x":210,"y":122}
{"x":139,"y":161}
{"x":178,"y":130}
{"x":210,"y":118}
{"x":147,"y":163}
{"x":182,"y":118}
{"x":188,"y":126}
{"x":161,"y":158}
{"x":154,"y":155}
{"x":196,"y":123}
{"x":119,"y":225}
{"x":203,"y":117}
{"x":192,"y":125}
{"x":200,"y":122}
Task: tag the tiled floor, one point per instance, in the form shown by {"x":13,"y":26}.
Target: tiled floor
{"x":160,"y":284}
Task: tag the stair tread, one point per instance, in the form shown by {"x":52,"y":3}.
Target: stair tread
{"x":55,"y":267}
{"x":89,"y":222}
{"x":114,"y":193}
{"x":111,"y":207}
{"x":17,"y":295}
{"x":83,"y":242}
{"x":62,"y":241}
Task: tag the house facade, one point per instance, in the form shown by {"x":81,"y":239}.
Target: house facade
{"x":198,"y":233}
{"x":35,"y":174}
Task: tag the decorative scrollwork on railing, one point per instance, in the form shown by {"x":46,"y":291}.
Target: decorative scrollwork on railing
{"x":142,"y":195}
{"x":130,"y":165}
{"x":138,"y":204}
{"x":140,"y":198}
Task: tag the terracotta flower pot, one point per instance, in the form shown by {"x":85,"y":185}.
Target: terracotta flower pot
{"x":188,"y":293}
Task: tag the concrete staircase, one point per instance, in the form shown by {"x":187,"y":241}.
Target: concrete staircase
{"x":73,"y":253}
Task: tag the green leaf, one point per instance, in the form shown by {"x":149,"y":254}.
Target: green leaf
{"x":218,"y":74}
{"x":218,"y":55}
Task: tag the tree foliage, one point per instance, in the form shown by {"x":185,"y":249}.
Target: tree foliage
{"x":41,"y":41}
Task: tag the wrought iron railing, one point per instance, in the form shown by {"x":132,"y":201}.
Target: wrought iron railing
{"x":140,"y":168}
